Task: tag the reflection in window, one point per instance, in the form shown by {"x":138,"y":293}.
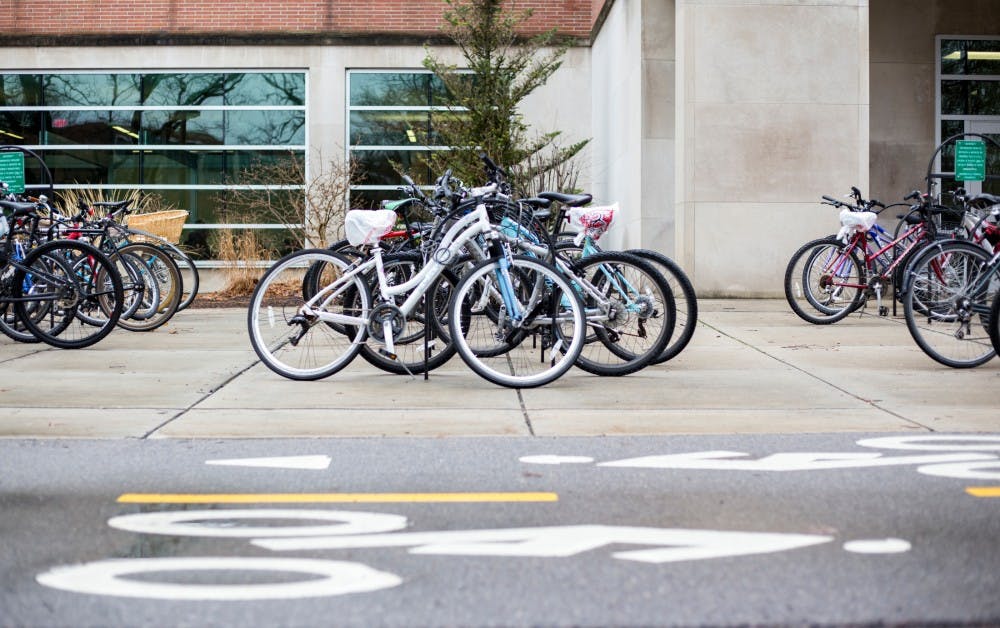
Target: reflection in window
{"x":182,"y":136}
{"x":394,"y":111}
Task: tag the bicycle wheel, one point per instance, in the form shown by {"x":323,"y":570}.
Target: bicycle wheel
{"x":308,"y":343}
{"x":630,"y":312}
{"x":11,"y":326}
{"x":824,"y":281}
{"x":52,"y":293}
{"x":163,"y":287}
{"x":685,"y":299}
{"x":408,"y":344}
{"x":540,"y":322}
{"x":947,"y":307}
{"x":191,"y":282}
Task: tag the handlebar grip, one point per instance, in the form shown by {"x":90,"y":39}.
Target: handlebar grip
{"x":832,"y":200}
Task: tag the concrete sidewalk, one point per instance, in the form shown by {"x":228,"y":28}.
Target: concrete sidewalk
{"x":752,"y":366}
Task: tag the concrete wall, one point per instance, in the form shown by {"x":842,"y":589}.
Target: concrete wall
{"x":772,"y":111}
{"x":903,"y":57}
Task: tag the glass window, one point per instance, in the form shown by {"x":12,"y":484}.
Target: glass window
{"x":974,"y":56}
{"x":395,"y":110}
{"x":178,"y":135}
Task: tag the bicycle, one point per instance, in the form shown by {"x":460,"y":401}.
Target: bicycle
{"x":829,"y":278}
{"x":56,"y":284}
{"x":954,"y":322}
{"x":307,"y":337}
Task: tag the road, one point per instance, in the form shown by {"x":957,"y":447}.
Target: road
{"x":831,"y":529}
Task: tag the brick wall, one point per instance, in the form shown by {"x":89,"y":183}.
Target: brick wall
{"x":249,"y":17}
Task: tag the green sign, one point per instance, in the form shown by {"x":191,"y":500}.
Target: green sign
{"x":970,"y":160}
{"x":12,"y":170}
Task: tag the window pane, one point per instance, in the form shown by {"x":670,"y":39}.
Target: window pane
{"x":376,"y":167}
{"x":392,"y":128}
{"x":90,"y":127}
{"x":19,"y":127}
{"x":977,"y":56}
{"x":62,"y":90}
{"x":390,"y":89}
{"x":975,"y":98}
{"x":93,"y":166}
{"x":186,"y":89}
{"x":279,"y":89}
{"x":264,"y":128}
{"x":20,"y":90}
{"x":183,"y":127}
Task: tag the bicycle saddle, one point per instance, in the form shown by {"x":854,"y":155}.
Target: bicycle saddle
{"x":573,"y":200}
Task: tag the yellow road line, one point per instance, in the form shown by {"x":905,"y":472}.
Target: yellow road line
{"x":983,"y":491}
{"x":329,"y":498}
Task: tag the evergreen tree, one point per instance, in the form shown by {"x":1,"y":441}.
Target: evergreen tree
{"x":502,"y":67}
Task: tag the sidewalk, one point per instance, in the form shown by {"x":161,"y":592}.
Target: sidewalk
{"x":752,"y":367}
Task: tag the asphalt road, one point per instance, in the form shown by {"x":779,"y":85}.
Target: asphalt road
{"x":839,"y":529}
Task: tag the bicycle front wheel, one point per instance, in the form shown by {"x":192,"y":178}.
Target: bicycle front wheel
{"x":536,"y":317}
{"x":824,"y":281}
{"x":51,"y":293}
{"x":308,"y":335}
{"x":947,"y":304}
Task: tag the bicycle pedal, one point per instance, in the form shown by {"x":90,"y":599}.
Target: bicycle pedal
{"x":883,"y":311}
{"x":391,"y":356}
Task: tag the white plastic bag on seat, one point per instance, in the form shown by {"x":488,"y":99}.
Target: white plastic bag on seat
{"x":852,"y":222}
{"x":591,"y":221}
{"x":366,"y":226}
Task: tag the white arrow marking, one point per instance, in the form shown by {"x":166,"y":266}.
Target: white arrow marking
{"x":286,"y":462}
{"x":877,"y":546}
{"x":935,"y":442}
{"x":562,"y":541}
{"x":721,"y":460}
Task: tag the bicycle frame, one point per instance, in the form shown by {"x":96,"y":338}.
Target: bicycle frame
{"x":465,"y":229}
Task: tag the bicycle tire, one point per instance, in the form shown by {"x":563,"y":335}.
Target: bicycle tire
{"x":994,"y":326}
{"x":951,"y":323}
{"x":183,"y":261}
{"x":685,"y":300}
{"x":302,"y":348}
{"x":11,"y":325}
{"x":552,"y":313}
{"x":55,"y":281}
{"x":640,"y":322}
{"x":808,"y":278}
{"x":165,"y":281}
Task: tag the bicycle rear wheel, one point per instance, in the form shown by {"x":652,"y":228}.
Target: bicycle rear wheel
{"x":307,"y":343}
{"x":163,"y":286}
{"x":824,"y":281}
{"x":685,"y":299}
{"x":947,"y":305}
{"x":630,"y":312}
{"x":51,"y":293}
{"x":539,"y":321}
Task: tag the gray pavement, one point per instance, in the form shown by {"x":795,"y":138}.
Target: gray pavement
{"x":752,"y":367}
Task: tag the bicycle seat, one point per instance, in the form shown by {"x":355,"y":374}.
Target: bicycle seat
{"x":573,"y":200}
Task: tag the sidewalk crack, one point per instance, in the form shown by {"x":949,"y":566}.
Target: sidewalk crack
{"x":200,"y":400}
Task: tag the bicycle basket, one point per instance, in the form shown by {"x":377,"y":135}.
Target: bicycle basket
{"x":592,"y":221}
{"x":366,"y":226}
{"x":167,"y":224}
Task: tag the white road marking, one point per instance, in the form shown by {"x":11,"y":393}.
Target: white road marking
{"x":218,"y":523}
{"x":877,"y":546}
{"x":934,"y":442}
{"x":285,"y":462}
{"x":104,"y":577}
{"x":721,"y":460}
{"x":964,"y":470}
{"x":562,"y":541}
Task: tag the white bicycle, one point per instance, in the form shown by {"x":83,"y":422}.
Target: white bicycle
{"x":516,"y":321}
